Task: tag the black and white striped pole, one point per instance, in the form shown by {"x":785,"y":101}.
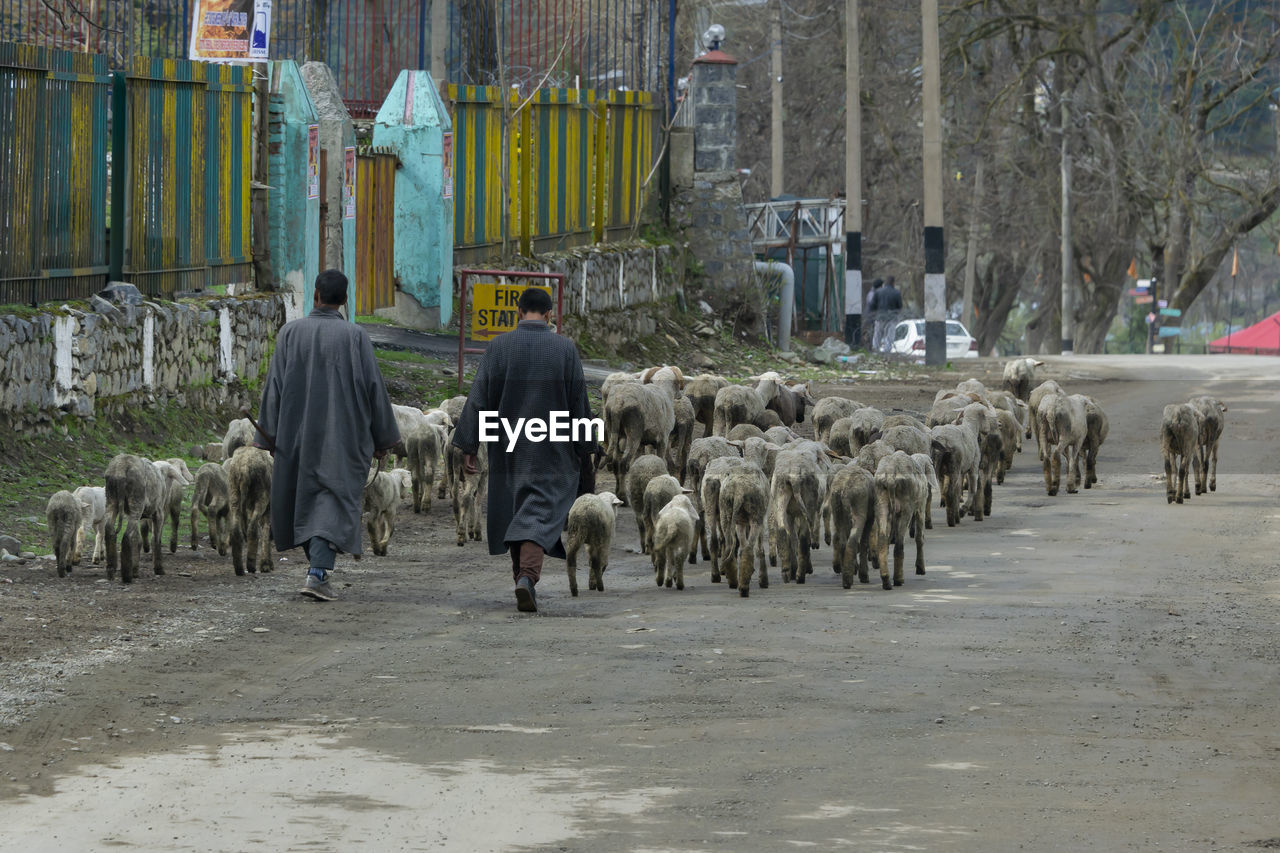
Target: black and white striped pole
{"x":852,"y":181}
{"x":935,"y":279}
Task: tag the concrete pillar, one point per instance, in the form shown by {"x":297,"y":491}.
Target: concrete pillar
{"x":293,"y":219}
{"x":336,"y":135}
{"x":714,"y":94}
{"x":413,"y":122}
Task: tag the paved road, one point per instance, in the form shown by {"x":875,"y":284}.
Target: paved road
{"x":1088,"y":672}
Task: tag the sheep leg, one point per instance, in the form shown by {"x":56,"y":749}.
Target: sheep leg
{"x":599,"y":562}
{"x":1170,"y":481}
{"x":195,"y":532}
{"x":1213,"y":477}
{"x":237,"y":545}
{"x":175,"y":520}
{"x":99,"y":542}
{"x":744,"y":558}
{"x":899,"y":554}
{"x":129,"y":552}
{"x":156,"y":566}
{"x":883,"y":535}
{"x":264,"y":544}
{"x":1050,"y":487}
{"x":458,"y":522}
{"x":571,"y":565}
{"x":224,"y":535}
{"x":756,"y":537}
{"x":919,"y":536}
{"x":113,"y":527}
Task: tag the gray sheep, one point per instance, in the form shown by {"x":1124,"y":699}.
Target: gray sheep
{"x":421,"y":444}
{"x":741,"y":508}
{"x":1179,"y":445}
{"x":65,"y":516}
{"x":592,"y":520}
{"x":468,"y":492}
{"x":701,"y":391}
{"x":212,"y":498}
{"x":827,"y":411}
{"x":850,"y":509}
{"x":176,"y":479}
{"x":644,"y":469}
{"x":1097,"y":426}
{"x":637,"y":417}
{"x":135,"y":493}
{"x":701,"y":452}
{"x":681,"y":436}
{"x":382,"y":494}
{"x":712,"y":479}
{"x":240,"y":433}
{"x":675,"y":538}
{"x":1020,"y":377}
{"x":901,"y":492}
{"x":1033,"y":403}
{"x":657,"y":492}
{"x":94,"y":499}
{"x":1062,"y":426}
{"x":249,"y":498}
{"x":795,"y":506}
{"x":1211,"y":411}
{"x":956,"y":458}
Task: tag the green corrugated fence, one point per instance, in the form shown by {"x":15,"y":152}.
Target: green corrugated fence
{"x":189,"y":156}
{"x":578,"y":164}
{"x":53,"y":173}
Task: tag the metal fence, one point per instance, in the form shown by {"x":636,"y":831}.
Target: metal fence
{"x":53,"y":173}
{"x":578,"y":165}
{"x":556,"y":44}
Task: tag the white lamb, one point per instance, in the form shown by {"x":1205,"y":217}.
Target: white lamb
{"x":592,"y":521}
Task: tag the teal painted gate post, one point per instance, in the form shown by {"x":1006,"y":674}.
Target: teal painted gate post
{"x":293,"y":213}
{"x":414,"y":123}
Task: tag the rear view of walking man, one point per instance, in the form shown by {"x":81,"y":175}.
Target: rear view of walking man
{"x":325,"y":413}
{"x":527,"y":373}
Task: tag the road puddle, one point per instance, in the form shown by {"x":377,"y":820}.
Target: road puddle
{"x":294,"y":788}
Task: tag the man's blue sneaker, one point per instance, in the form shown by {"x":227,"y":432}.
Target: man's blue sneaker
{"x":318,"y":589}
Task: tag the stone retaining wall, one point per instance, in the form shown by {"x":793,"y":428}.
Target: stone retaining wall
{"x":74,"y":361}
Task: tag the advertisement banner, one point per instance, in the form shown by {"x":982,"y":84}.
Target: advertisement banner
{"x":349,"y":183}
{"x":447,"y":150}
{"x":231,"y":31}
{"x":313,"y":161}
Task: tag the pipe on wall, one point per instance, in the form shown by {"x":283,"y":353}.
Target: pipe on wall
{"x":787,"y":275}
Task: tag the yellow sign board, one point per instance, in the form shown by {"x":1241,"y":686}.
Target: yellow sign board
{"x":493,"y":308}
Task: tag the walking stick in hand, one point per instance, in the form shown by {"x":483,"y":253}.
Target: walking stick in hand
{"x":244,"y":410}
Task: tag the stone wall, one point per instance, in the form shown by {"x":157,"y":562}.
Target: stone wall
{"x":68,"y":361}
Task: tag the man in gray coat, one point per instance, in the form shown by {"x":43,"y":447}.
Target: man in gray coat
{"x":535,"y":374}
{"x":325,"y":412}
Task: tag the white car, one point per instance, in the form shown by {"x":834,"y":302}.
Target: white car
{"x":908,"y":340}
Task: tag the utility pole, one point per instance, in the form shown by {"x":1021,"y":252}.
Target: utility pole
{"x":1068,"y":301}
{"x":935,"y":278}
{"x":852,"y":179}
{"x":775,"y":72}
{"x":971,"y":252}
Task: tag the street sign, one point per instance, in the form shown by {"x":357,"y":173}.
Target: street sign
{"x":1171,"y":312}
{"x":1163,"y":303}
{"x":494,"y":308}
{"x":1144,"y":299}
{"x":1170,"y":331}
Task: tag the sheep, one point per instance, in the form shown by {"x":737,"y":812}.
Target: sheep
{"x":795,"y":506}
{"x":1062,"y":426}
{"x":712,"y":479}
{"x":701,"y":391}
{"x":681,"y":436}
{"x":642,"y":471}
{"x":790,"y":402}
{"x":1010,"y":441}
{"x":741,"y":507}
{"x":925,"y":463}
{"x":176,"y":481}
{"x":701,"y":452}
{"x":675,"y":538}
{"x":592,"y":520}
{"x":769,"y":419}
{"x":827,"y":411}
{"x":468,"y":492}
{"x":863,"y":424}
{"x":901,"y":491}
{"x":95,"y":517}
{"x":1179,"y":443}
{"x":1096,"y":428}
{"x":65,"y":516}
{"x":1033,"y":403}
{"x":240,"y":433}
{"x":135,"y":491}
{"x":667,"y":377}
{"x":907,"y":439}
{"x":780,"y":435}
{"x":249,"y":498}
{"x":763,"y":453}
{"x":741,"y":432}
{"x":383,"y":492}
{"x":1020,"y":375}
{"x":869,"y":455}
{"x":736,"y":404}
{"x":637,"y":417}
{"x":212,"y":497}
{"x":956,"y":456}
{"x":971,"y":386}
{"x":421,"y":443}
{"x":613,"y":380}
{"x":453,"y":407}
{"x":840,"y":437}
{"x":849,"y":508}
{"x":1211,"y":411}
{"x":982,"y":422}
{"x":657,"y":492}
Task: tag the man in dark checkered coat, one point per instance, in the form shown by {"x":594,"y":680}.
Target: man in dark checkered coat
{"x":528,"y":373}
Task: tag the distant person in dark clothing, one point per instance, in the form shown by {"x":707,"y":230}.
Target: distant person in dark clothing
{"x":888,"y":308}
{"x":869,"y":326}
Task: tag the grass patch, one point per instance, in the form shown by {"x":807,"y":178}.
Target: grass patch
{"x":374,"y":320}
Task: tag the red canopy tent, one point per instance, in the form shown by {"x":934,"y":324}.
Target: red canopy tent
{"x":1262,"y":338}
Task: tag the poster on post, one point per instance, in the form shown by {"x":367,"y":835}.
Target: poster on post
{"x":313,"y":161}
{"x":231,"y":31}
{"x":446,"y":148}
{"x":349,"y":183}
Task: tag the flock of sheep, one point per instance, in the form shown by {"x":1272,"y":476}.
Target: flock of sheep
{"x":749,"y":489}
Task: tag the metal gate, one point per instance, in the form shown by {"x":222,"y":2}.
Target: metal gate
{"x":375,"y":229}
